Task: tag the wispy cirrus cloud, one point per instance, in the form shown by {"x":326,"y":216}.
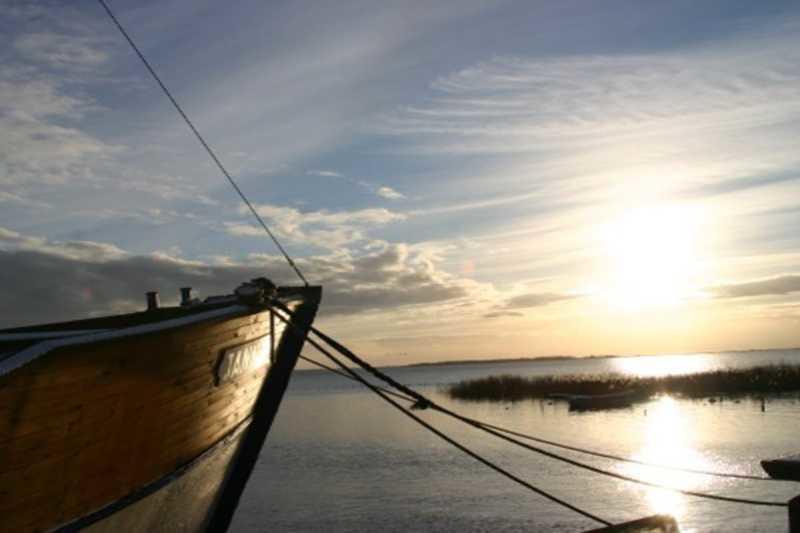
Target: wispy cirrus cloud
{"x":514,"y":104}
{"x":503,"y":314}
{"x":383,"y":191}
{"x":571,"y":141}
{"x":510,"y":306}
{"x":22,"y":201}
{"x":773,"y":286}
{"x":522,"y":301}
{"x":325,"y":173}
{"x":579,"y":128}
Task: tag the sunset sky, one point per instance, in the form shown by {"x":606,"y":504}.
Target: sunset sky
{"x":465,"y":179}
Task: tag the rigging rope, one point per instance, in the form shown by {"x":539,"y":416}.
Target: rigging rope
{"x":422,"y":400}
{"x":413,"y":395}
{"x":377,"y":390}
{"x":556,"y":444}
{"x":203,"y":142}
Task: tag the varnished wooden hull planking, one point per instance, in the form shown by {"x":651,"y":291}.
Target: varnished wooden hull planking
{"x":90,"y":432}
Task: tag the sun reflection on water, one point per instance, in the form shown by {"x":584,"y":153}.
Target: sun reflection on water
{"x":662,"y":365}
{"x":669,"y":438}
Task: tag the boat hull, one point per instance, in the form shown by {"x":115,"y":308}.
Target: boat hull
{"x":650,"y":524}
{"x":145,"y":431}
{"x":604,"y":401}
{"x":786,"y":468}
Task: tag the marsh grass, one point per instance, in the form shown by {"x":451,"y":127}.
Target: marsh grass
{"x":756,"y":382}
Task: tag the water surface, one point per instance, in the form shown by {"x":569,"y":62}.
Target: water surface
{"x":340,"y":459}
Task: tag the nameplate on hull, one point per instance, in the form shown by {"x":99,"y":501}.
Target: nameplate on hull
{"x":244,"y":358}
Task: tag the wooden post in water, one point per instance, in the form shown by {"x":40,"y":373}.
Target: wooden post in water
{"x":794,"y":515}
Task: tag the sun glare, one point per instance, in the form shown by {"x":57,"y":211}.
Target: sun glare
{"x":661,"y":365}
{"x":652,"y":256}
{"x":668,"y":441}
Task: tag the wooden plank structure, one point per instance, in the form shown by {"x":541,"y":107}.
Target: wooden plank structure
{"x":134,"y":428}
{"x":650,"y":524}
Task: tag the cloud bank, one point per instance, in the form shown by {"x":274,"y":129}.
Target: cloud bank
{"x":49,"y":281}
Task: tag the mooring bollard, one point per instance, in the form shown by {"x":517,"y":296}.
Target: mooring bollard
{"x":794,"y":515}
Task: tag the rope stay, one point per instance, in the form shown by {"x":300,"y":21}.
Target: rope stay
{"x":420,"y":399}
{"x":202,"y":140}
{"x":410,"y":394}
{"x":557,"y":444}
{"x":386,"y":397}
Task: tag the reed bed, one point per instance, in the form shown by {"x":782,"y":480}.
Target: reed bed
{"x":755,"y":382}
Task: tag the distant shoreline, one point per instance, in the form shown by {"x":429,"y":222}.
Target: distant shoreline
{"x":550,"y":358}
{"x":555,"y":358}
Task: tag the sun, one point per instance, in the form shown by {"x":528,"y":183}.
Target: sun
{"x":652,"y":256}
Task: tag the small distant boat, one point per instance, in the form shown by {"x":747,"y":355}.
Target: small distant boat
{"x":587,"y":402}
{"x":650,"y":524}
{"x":149,"y":421}
{"x":787,"y":468}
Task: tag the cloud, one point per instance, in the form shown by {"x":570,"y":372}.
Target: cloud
{"x":47,"y":280}
{"x":37,"y":97}
{"x":741,"y":184}
{"x":523,"y":301}
{"x":322,"y":89}
{"x":499,"y":314}
{"x":513,"y":104}
{"x":387,"y":279}
{"x":564,"y":141}
{"x":13,"y":241}
{"x":35,"y":151}
{"x":324,"y":173}
{"x":37,"y":144}
{"x":507,"y":308}
{"x":60,"y":51}
{"x":324,"y":229}
{"x":44,"y":143}
{"x":382,"y":191}
{"x":775,"y":286}
{"x":388,"y":192}
{"x":563,"y":126}
{"x":22,"y":201}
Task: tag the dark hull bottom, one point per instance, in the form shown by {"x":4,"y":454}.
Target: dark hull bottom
{"x":183,"y":501}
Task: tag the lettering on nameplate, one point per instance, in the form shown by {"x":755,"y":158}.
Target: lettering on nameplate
{"x":237,"y":360}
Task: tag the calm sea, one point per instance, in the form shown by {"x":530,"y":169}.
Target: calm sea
{"x":340,"y":459}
